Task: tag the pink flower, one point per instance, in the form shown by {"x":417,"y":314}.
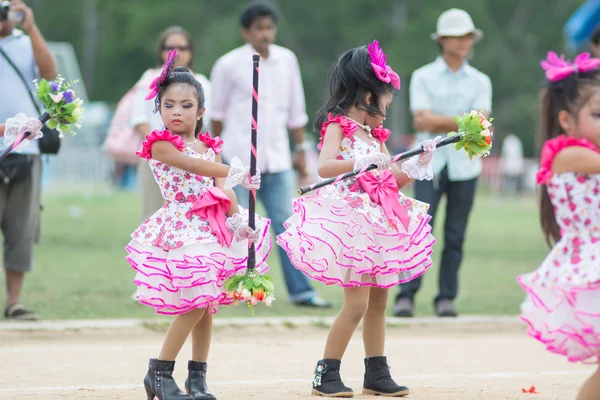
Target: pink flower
{"x":355,"y":187}
{"x":192,"y":198}
{"x":212,"y":142}
{"x":179,"y":196}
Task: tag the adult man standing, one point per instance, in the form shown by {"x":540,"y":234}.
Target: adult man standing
{"x":281,"y":107}
{"x":20,"y":192}
{"x":440,"y":90}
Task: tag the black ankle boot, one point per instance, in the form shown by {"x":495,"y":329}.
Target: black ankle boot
{"x":378,"y":380}
{"x":159,"y":381}
{"x":327,"y":381}
{"x":195,"y":384}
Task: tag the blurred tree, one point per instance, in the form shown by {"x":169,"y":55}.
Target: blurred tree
{"x":116,"y":41}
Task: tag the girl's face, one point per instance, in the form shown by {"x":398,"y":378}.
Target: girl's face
{"x":184,"y":51}
{"x":587,"y":125}
{"x":384,"y":103}
{"x":179,"y":109}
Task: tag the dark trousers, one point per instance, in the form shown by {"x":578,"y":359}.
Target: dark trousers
{"x":459,"y":196}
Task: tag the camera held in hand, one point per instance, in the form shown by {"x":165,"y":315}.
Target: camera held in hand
{"x":10,"y":16}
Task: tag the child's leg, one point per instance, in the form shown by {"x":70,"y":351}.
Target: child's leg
{"x":378,"y":380}
{"x":355,"y":304}
{"x":195,"y":384}
{"x":178,"y":332}
{"x":201,"y":337}
{"x":591,"y":388}
{"x":374,"y":323}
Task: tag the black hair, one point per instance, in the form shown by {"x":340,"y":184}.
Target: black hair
{"x":174,"y":30}
{"x":185,"y":76}
{"x":569,"y":94}
{"x":349,"y":80}
{"x":256,"y":10}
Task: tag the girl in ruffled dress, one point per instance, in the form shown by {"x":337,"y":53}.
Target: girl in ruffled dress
{"x":562,"y":308}
{"x":360,"y":233}
{"x":184,"y":253}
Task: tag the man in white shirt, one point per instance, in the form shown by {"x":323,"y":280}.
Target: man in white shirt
{"x":447,"y":87}
{"x":281,"y":107}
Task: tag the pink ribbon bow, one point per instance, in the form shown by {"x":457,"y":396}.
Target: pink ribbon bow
{"x":167,"y":68}
{"x":383,"y":190}
{"x":557,"y":68}
{"x":384,"y":72}
{"x":213,"y":206}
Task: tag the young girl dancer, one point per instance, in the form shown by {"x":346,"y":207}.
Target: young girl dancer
{"x":563,"y":294}
{"x":197,"y":240}
{"x":360,"y":233}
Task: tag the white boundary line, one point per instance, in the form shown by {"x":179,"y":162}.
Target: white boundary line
{"x":112,"y":324}
{"x":306,"y":381}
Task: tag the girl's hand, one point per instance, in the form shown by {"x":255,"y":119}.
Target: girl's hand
{"x":429,"y":146}
{"x":240,"y":229}
{"x":240,"y":175}
{"x":382,"y":160}
{"x":251,"y":183}
{"x":419,"y":167}
{"x":19,"y":124}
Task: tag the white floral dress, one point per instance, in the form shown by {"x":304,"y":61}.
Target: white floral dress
{"x":562,"y":308}
{"x":180,"y":262}
{"x":340,"y":235}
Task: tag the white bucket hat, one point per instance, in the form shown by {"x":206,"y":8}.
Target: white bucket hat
{"x":456,"y":22}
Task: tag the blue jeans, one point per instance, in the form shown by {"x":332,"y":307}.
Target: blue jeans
{"x":276,"y":194}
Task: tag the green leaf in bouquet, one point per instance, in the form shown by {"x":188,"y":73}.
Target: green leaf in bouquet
{"x":69,"y":119}
{"x":458,"y":146}
{"x":68,"y":108}
{"x":64,"y":128}
{"x":52,"y":123}
{"x":269,"y":286}
{"x":232,"y":283}
{"x":44,"y":87}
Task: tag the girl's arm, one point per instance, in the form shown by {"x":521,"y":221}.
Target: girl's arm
{"x":401,"y":178}
{"x":2,"y":129}
{"x":576,"y":159}
{"x":329,"y":166}
{"x":230,"y":193}
{"x":167,"y":153}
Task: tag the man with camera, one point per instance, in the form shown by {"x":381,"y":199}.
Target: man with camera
{"x":24,"y":56}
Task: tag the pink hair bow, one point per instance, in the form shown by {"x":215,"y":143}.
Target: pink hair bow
{"x":384,"y":72}
{"x":166,"y":70}
{"x":557,"y":68}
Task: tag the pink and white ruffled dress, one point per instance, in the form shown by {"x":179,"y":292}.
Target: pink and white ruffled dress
{"x":562,"y":307}
{"x":348,"y":236}
{"x":177,"y":253}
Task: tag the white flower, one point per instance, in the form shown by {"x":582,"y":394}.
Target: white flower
{"x":486,"y":124}
{"x":246,"y":295}
{"x":486,"y":132}
{"x":474,"y":113}
{"x":268,"y":301}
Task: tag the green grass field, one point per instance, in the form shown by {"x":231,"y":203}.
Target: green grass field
{"x":81,"y":272}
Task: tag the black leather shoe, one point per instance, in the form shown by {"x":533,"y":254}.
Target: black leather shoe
{"x":159,"y":382}
{"x":195,"y":384}
{"x":327,"y":381}
{"x":378,"y":381}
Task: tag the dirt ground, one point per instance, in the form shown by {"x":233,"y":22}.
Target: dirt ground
{"x":484,"y":362}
